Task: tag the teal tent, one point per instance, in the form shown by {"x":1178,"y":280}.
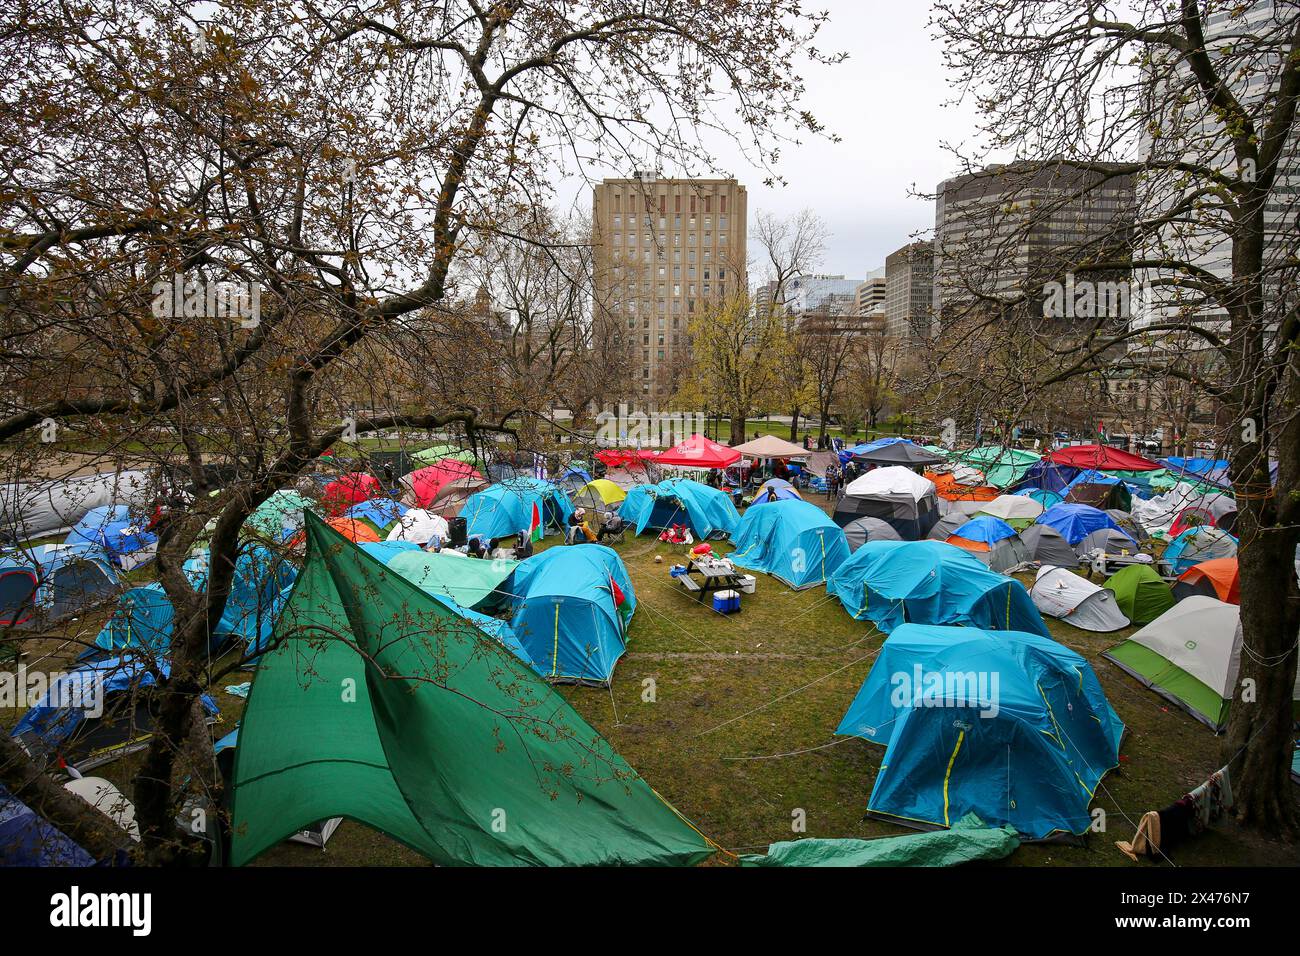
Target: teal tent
{"x":930,"y":582}
{"x":469,"y":582}
{"x":505,"y":509}
{"x":792,"y":540}
{"x":570,"y":610}
{"x":1008,"y":725}
{"x":706,"y":511}
{"x":431,"y":732}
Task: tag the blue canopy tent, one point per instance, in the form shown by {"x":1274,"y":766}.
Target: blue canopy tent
{"x":706,"y":511}
{"x":1011,"y":726}
{"x":121,"y":536}
{"x":930,"y":582}
{"x":1075,"y":522}
{"x":505,"y":509}
{"x":53,"y":581}
{"x":96,"y":712}
{"x":567,"y":613}
{"x":794,"y":541}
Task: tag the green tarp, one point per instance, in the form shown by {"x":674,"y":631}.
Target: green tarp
{"x":1002,"y":467}
{"x":470,"y":582}
{"x":437,"y":736}
{"x":969,"y":839}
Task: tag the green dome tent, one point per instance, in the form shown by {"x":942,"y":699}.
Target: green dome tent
{"x":1140,"y":593}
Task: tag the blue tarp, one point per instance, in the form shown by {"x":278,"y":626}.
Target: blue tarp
{"x":27,"y":839}
{"x":794,"y":541}
{"x":505,"y":509}
{"x":1048,"y":476}
{"x":1011,"y":726}
{"x":1214,"y":470}
{"x":380,"y":513}
{"x":846,"y":454}
{"x":930,"y":582}
{"x":113,"y":529}
{"x":563,"y":611}
{"x":1076,"y":522}
{"x":706,"y":511}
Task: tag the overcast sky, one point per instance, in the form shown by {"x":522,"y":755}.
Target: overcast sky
{"x":886,"y":103}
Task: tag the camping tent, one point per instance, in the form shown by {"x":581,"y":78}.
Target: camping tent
{"x":1099,"y":490}
{"x":258,"y":591}
{"x":1189,"y":655}
{"x":956,"y":493}
{"x":504,"y":510}
{"x":792,"y":540}
{"x":775,"y":489}
{"x":44,"y":508}
{"x":474,"y":739}
{"x":341,"y":494}
{"x":437,"y":453}
{"x":1217,"y":578}
{"x":769,"y":446}
{"x":1197,"y":544}
{"x":381,"y":514}
{"x":861,"y":530}
{"x":424,"y":487}
{"x":570,"y":608}
{"x":469,"y":582}
{"x":1072,"y":598}
{"x":898,"y":453}
{"x":993,"y":541}
{"x":1128,"y":524}
{"x":1028,"y":751}
{"x":1075,"y":522}
{"x":419,"y":526}
{"x":1002,"y":467}
{"x":1044,"y":497}
{"x":118,"y":533}
{"x":278,"y":517}
{"x":1191,"y":517}
{"x":945,"y":527}
{"x":1108,"y":541}
{"x":900,"y":496}
{"x":1019,"y":511}
{"x":1142,"y":595}
{"x":1158,"y":514}
{"x":929,"y":582}
{"x":1046,"y":546}
{"x":599,"y":495}
{"x":699,"y":452}
{"x":706,"y":511}
{"x":143,"y":619}
{"x":52,"y":582}
{"x":1101,"y":458}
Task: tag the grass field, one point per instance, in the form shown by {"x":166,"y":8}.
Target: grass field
{"x":739,"y":735}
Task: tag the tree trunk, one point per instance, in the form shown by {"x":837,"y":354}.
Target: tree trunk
{"x":794,"y":425}
{"x":737,"y":429}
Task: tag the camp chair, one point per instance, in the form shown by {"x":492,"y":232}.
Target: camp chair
{"x":612,"y":537}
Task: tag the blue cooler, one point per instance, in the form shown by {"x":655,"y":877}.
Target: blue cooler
{"x":726,"y":602}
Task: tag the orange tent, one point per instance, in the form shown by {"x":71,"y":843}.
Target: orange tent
{"x":946,"y":486}
{"x":1217,"y":578}
{"x":350,"y":528}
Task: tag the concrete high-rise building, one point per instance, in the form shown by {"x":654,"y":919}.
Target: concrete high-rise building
{"x":665,"y":250}
{"x":909,"y":292}
{"x":1001,"y":232}
{"x":814,"y":293}
{"x":871,"y":293}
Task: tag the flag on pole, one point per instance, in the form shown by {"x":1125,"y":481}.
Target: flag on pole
{"x":621,"y":603}
{"x":535,"y":526}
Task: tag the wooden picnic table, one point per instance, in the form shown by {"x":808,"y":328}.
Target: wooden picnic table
{"x":715,"y":575}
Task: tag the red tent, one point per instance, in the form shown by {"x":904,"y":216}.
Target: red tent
{"x":426,"y":484}
{"x":354,"y":487}
{"x":1102,"y":458}
{"x":699,"y":452}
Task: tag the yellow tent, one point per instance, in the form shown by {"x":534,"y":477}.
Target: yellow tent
{"x":600,"y":493}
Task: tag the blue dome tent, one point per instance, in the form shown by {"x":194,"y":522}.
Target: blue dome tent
{"x":1044,"y":497}
{"x":1197,"y":544}
{"x":706,"y":511}
{"x":52,"y":582}
{"x":1011,"y":726}
{"x":930,"y":582}
{"x":1075,"y":522}
{"x":121,"y":536}
{"x":570,"y":611}
{"x":792,"y":540}
{"x":143,"y":618}
{"x":505,"y":509}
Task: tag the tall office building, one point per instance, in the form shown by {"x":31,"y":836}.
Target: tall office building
{"x":909,"y":293}
{"x":1006,"y":231}
{"x":871,"y":293}
{"x":815,"y":293}
{"x":665,"y":250}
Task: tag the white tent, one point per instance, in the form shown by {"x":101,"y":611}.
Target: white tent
{"x":52,"y":507}
{"x":1158,"y":514}
{"x":420,"y":526}
{"x":893,"y":480}
{"x":1062,"y":594}
{"x":1012,"y":508}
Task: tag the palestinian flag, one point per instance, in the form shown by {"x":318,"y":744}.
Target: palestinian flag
{"x":621,"y":604}
{"x":535,"y":527}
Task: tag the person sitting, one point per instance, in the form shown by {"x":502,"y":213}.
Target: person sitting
{"x":477,"y":547}
{"x":578,"y":526}
{"x":613,"y":527}
{"x":523,"y":545}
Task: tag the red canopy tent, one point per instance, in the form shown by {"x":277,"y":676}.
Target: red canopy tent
{"x":699,"y":452}
{"x":1102,"y":458}
{"x":620,"y":458}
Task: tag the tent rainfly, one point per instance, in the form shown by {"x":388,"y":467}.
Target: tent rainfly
{"x":1142,"y":595}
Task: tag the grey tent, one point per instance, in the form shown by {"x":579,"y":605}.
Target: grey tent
{"x":901,"y":497}
{"x":1046,"y":545}
{"x":1005,"y":555}
{"x":899,"y":453}
{"x":53,"y":507}
{"x":948,"y":525}
{"x":1062,"y":594}
{"x":1128,"y":524}
{"x":1108,"y":540}
{"x":861,"y":530}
